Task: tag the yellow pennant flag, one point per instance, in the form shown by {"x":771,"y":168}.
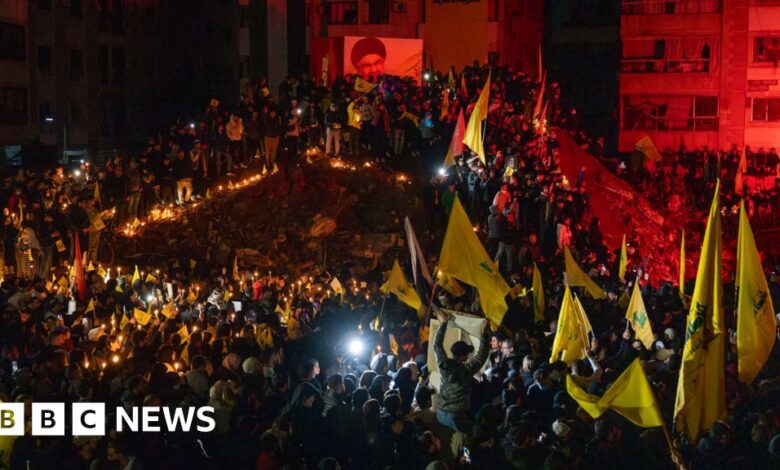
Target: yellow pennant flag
{"x":577,"y":277}
{"x":136,"y":276}
{"x":363,"y":86}
{"x":398,"y":285}
{"x":123,"y":322}
{"x":756,"y":323}
{"x":169,"y":310}
{"x":623,"y":260}
{"x":538,"y":295}
{"x":141,"y":317}
{"x":151,"y":278}
{"x":630,"y":396}
{"x":450,"y":285}
{"x":646,"y":146}
{"x":464,"y":258}
{"x":682,"y":265}
{"x":192,"y":298}
{"x":636,"y":314}
{"x":582,"y":317}
{"x":101,"y":271}
{"x":90,"y":267}
{"x":90,"y":306}
{"x":227,"y":295}
{"x":570,"y":336}
{"x":456,"y":143}
{"x":184,"y":334}
{"x":701,"y":399}
{"x":473,"y":136}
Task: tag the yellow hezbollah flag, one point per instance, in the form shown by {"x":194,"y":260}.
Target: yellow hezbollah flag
{"x":90,"y":306}
{"x":136,"y":276}
{"x":538,"y":295}
{"x":449,"y":284}
{"x":756,"y":324}
{"x":363,"y":86}
{"x":623,"y":260}
{"x":646,"y":146}
{"x":473,"y":137}
{"x":636,"y":314}
{"x":123,"y":322}
{"x":701,"y":389}
{"x":398,"y":285}
{"x":682,"y":265}
{"x":141,"y":317}
{"x":464,"y":258}
{"x":151,"y":278}
{"x":264,"y":336}
{"x":629,"y":396}
{"x":577,"y":277}
{"x":570,"y":338}
{"x":184,"y":334}
{"x":584,"y":322}
{"x":456,"y":144}
{"x":169,"y":310}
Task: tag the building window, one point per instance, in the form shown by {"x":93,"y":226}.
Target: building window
{"x":378,"y":11}
{"x":103,"y":64}
{"x":75,"y":112}
{"x":766,"y":49}
{"x":765,"y":110}
{"x":669,"y":7}
{"x":44,"y":113}
{"x":44,"y":60}
{"x":75,"y":7}
{"x":493,"y":9}
{"x":76,"y":66}
{"x":11,"y":42}
{"x":670,"y":113}
{"x":44,"y":4}
{"x":13,"y":106}
{"x":343,"y":12}
{"x":118,"y":65}
{"x":689,"y":55}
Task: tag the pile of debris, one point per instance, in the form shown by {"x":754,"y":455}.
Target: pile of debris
{"x":317,"y":214}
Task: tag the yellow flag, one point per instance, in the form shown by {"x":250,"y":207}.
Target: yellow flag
{"x":185,"y":355}
{"x":393,"y":345}
{"x":473,"y":136}
{"x":456,"y":143}
{"x":398,"y":285}
{"x":90,"y":267}
{"x":623,"y":260}
{"x":101,"y":271}
{"x":193,"y":263}
{"x":701,"y":397}
{"x":141,"y":317}
{"x":192,"y":298}
{"x":284,"y":313}
{"x":577,"y":277}
{"x":60,"y":246}
{"x":582,"y":317}
{"x":264,"y":336}
{"x":682,"y":265}
{"x":136,"y":276}
{"x":294,"y":328}
{"x":151,"y":278}
{"x":538,"y":295}
{"x":363,"y":86}
{"x":646,"y":146}
{"x":184,"y":334}
{"x":123,"y":322}
{"x":636,"y":314}
{"x":756,"y":323}
{"x":169,"y":310}
{"x":227,"y":295}
{"x":450,"y":285}
{"x":630,"y":396}
{"x":464,"y":258}
{"x":90,"y":306}
{"x":570,"y":337}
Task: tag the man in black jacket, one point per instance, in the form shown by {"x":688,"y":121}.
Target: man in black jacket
{"x":454,"y":404}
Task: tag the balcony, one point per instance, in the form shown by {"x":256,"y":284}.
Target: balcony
{"x":643,"y":65}
{"x":669,"y":7}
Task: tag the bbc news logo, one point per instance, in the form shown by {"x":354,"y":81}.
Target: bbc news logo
{"x":89,"y":419}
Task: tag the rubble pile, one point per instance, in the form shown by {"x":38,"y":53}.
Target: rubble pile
{"x":318,"y":214}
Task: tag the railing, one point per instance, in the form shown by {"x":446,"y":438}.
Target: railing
{"x":669,"y":7}
{"x":648,"y":122}
{"x":664,"y":66}
{"x":343,"y":12}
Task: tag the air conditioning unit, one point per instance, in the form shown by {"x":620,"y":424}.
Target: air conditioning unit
{"x":399,"y":7}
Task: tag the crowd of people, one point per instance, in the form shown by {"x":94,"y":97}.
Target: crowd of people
{"x":272,"y":354}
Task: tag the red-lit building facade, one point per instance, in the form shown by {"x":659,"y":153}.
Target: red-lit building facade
{"x":454,"y":32}
{"x":700,"y":73}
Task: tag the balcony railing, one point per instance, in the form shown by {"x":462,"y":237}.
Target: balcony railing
{"x":648,"y":122}
{"x":664,"y":66}
{"x":669,"y":7}
{"x":343,"y":12}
